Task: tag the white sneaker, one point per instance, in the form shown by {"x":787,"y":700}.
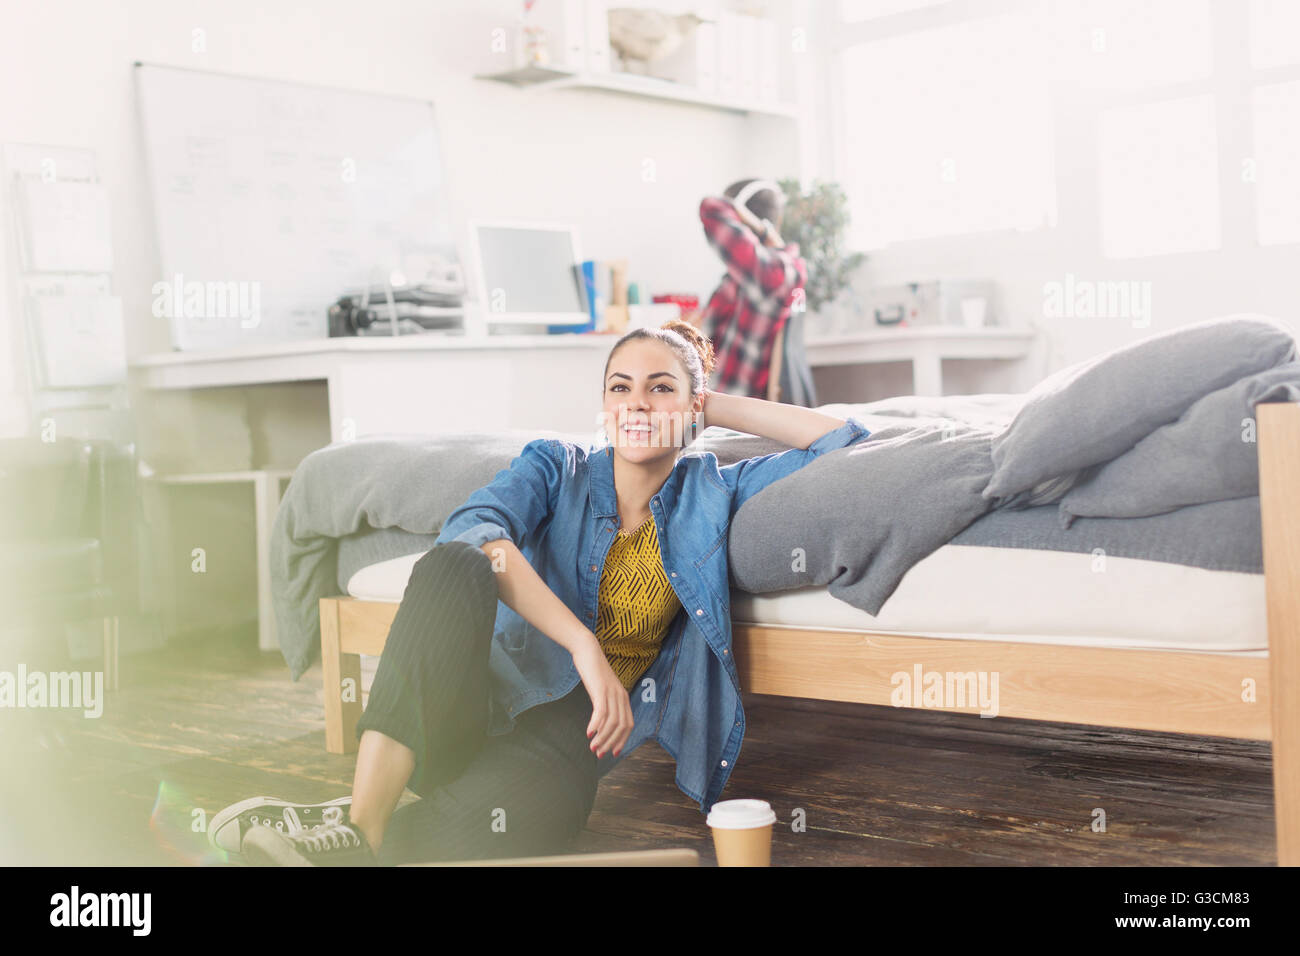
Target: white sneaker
{"x":231,"y":825}
{"x":336,"y":842}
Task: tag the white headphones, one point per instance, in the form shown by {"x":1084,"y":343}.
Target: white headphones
{"x":758,"y":185}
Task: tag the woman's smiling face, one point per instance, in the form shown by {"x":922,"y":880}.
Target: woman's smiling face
{"x":648,"y":402}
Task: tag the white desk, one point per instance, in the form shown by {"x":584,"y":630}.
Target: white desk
{"x":924,"y":346}
{"x":418,"y":384}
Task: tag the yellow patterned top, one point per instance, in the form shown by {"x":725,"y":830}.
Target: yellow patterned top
{"x":637,"y":604}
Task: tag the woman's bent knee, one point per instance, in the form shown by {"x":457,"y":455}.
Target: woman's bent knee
{"x":455,"y":561}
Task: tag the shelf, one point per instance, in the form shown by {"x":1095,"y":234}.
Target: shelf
{"x":632,"y":84}
{"x":914,"y":333}
{"x":526,"y":76}
{"x":925,"y":347}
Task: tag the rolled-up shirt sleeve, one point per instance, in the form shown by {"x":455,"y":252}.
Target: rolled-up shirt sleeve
{"x":514,"y":504}
{"x":746,"y":478}
{"x":762,"y":272}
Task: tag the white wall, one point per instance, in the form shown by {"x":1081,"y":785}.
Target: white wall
{"x":66,"y":73}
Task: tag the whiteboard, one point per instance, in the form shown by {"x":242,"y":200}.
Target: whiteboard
{"x":272,"y":199}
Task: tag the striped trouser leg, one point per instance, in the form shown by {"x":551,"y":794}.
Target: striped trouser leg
{"x":431,"y":688}
{"x":524,"y":793}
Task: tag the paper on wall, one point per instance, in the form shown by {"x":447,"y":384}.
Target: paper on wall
{"x":79,"y":339}
{"x":63,"y":226}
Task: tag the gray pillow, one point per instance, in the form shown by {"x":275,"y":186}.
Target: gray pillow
{"x":1095,"y":410}
{"x":1209,"y":454}
{"x":856,"y":519}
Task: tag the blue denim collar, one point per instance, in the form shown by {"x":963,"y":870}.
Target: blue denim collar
{"x":604,"y":497}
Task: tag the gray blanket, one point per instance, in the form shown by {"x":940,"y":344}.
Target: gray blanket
{"x":391,"y":481}
{"x":856,"y":519}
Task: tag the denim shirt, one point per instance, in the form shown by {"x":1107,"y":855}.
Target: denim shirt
{"x":558,"y":505}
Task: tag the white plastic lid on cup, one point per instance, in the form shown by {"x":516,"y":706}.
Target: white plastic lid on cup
{"x":741,"y":814}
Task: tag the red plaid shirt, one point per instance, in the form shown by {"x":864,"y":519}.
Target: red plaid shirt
{"x":749,"y":309}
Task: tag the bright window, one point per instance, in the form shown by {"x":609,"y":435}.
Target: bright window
{"x":1275,"y":111}
{"x":855,"y":11}
{"x":1129,"y":44}
{"x":1274,"y":33}
{"x":1158,"y":178}
{"x":947,"y":132}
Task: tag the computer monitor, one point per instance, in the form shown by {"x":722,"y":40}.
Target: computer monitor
{"x":529,"y":273}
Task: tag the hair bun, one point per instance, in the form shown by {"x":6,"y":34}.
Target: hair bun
{"x":698,"y":341}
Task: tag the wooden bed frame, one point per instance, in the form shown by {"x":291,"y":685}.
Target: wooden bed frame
{"x":1179,"y":691}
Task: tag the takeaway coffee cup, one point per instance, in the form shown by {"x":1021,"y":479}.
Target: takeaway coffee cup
{"x":742,"y":832}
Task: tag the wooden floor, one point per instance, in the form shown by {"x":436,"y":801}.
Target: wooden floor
{"x":200,"y":725}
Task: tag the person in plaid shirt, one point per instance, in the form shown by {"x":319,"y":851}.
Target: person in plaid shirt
{"x":746,"y":316}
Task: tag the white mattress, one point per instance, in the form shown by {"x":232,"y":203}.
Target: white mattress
{"x":1006,"y":594}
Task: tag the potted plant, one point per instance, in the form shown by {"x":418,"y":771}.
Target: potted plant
{"x":818,"y":220}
